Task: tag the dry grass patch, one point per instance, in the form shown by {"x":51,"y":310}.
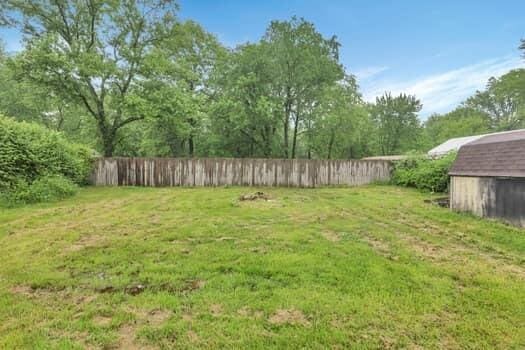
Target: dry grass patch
{"x":247,"y":312}
{"x":87,"y":241}
{"x":289,"y":316}
{"x":102,"y":321}
{"x":127,"y":339}
{"x":330,"y":235}
{"x":216,"y":310}
{"x":192,"y":336}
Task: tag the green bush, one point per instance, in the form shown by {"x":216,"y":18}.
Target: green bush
{"x":32,"y":156}
{"x":44,"y":189}
{"x":423,"y":173}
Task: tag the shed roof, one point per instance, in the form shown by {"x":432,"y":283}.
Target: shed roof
{"x":452,"y":145}
{"x":390,"y":158}
{"x":501,"y":154}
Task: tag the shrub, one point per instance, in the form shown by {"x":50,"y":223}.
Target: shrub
{"x":44,"y":189}
{"x":32,"y":156}
{"x":29,"y":151}
{"x":424,"y":173}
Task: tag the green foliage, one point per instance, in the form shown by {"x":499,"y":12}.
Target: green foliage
{"x":340,"y":126}
{"x":31,"y":152}
{"x":503,"y":101}
{"x":93,"y":54}
{"x":48,"y":188}
{"x":129,"y":78}
{"x":460,"y":122}
{"x":424,"y":173}
{"x":398,"y":127}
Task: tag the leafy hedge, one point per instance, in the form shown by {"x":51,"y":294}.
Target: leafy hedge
{"x":44,"y":189}
{"x":424,"y":173}
{"x":33,"y":157}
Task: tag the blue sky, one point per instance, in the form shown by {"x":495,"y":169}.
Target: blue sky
{"x":442,"y":51}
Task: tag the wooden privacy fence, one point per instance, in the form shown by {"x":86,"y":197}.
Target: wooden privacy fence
{"x":240,"y":171}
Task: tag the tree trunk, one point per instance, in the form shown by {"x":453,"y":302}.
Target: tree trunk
{"x":108,"y":134}
{"x":286,"y":126}
{"x":295,"y":130}
{"x":286,"y":121}
{"x":109,"y":144}
{"x":191,"y":146}
{"x":330,"y":145}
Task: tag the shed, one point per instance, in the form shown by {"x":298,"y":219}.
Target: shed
{"x":488,"y":177}
{"x":387,"y":158}
{"x":451,"y":145}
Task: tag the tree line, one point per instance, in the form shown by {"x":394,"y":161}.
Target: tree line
{"x":129,"y":78}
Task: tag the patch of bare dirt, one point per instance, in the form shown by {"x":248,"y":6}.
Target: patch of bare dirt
{"x":378,"y":245}
{"x":102,"y":321}
{"x":289,"y":316}
{"x":154,"y":318}
{"x":135,"y":289}
{"x":259,"y":250}
{"x":460,"y":255}
{"x":222,"y":239}
{"x":86,"y":241}
{"x":447,"y":342}
{"x":427,"y":249}
{"x":330,"y":235}
{"x":387,"y":342}
{"x":254,"y":196}
{"x":194,"y":285}
{"x":155,"y":219}
{"x":157,"y":317}
{"x":85,"y":299}
{"x":106,"y":289}
{"x":126,"y":339}
{"x":245,"y":311}
{"x":216,"y":310}
{"x":192,"y":336}
{"x":22,"y":290}
{"x":67,"y":295}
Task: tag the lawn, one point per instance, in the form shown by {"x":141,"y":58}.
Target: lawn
{"x":368,"y":267}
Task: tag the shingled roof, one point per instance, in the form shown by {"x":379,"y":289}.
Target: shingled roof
{"x":501,"y":154}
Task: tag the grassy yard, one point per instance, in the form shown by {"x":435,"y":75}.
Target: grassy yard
{"x":369,"y":267}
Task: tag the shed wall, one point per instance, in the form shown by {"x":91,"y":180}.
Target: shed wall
{"x":501,"y":198}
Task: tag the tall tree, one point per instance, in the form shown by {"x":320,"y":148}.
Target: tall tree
{"x":341,"y":126}
{"x":462,"y":121}
{"x":503,"y":100}
{"x":92,"y":52}
{"x":180,"y":91}
{"x":246,"y":114}
{"x":23,"y":99}
{"x":304,"y":64}
{"x":398,"y":127}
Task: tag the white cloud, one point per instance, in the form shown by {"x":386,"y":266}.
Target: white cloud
{"x":369,"y":72}
{"x":442,"y":92}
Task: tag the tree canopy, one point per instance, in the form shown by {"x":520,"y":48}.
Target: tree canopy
{"x":130,"y":78}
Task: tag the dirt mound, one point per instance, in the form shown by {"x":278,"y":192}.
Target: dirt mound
{"x":254,"y":196}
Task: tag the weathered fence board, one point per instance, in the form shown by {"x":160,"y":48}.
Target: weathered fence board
{"x":242,"y":171}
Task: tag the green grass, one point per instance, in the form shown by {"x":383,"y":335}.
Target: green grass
{"x":369,"y":267}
